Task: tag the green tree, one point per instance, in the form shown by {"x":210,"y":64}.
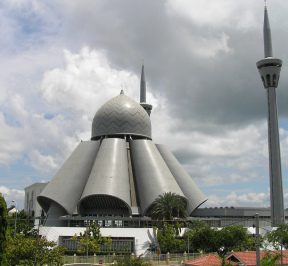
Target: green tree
{"x":193,"y":227}
{"x":24,"y":224}
{"x":167,"y":206}
{"x":221,"y":241}
{"x":3,"y":228}
{"x":132,"y":262}
{"x":274,"y":237}
{"x":94,"y":238}
{"x":21,"y":251}
{"x":270,"y":259}
{"x":196,"y":225}
{"x":231,"y":237}
{"x":204,"y":240}
{"x":168,"y":238}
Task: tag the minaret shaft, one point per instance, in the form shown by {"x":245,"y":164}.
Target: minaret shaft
{"x":276,"y":187}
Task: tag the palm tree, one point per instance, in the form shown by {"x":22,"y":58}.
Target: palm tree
{"x":168,"y":206}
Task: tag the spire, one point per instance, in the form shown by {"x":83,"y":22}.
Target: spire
{"x":267,"y":35}
{"x":146,"y":106}
{"x":269,"y":69}
{"x":143,"y":85}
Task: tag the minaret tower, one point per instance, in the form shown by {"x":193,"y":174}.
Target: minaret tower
{"x":269,"y":69}
{"x":146,"y":106}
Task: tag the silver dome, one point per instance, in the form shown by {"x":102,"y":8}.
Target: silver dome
{"x":121,"y":116}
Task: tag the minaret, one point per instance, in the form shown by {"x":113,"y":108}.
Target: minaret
{"x":146,"y":106}
{"x":269,"y":69}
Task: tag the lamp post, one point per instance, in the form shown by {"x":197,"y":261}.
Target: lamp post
{"x":188,"y":248}
{"x":15,"y":218}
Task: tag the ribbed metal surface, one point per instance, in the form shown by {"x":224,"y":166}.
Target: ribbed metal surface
{"x":109,"y":180}
{"x":67,"y":185}
{"x":121,"y":115}
{"x":153,"y":176}
{"x":185,"y":182}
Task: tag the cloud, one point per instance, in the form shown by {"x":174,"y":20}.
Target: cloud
{"x":12,"y":147}
{"x":13,"y":194}
{"x":215,"y":14}
{"x":209,"y":106}
{"x":234,"y":199}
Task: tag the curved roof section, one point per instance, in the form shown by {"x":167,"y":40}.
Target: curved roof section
{"x":153,"y":176}
{"x":121,"y":115}
{"x":107,"y":204}
{"x":108,"y":180}
{"x":67,"y":185}
{"x":185,"y":182}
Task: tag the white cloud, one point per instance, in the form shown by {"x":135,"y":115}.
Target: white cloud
{"x":236,"y":199}
{"x":86,"y":82}
{"x":13,"y":194}
{"x":12,"y":147}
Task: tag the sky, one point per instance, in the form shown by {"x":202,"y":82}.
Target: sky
{"x":61,"y":60}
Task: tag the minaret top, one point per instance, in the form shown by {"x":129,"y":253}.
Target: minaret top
{"x":146,"y":106}
{"x":143,"y":85}
{"x":267,"y":35}
{"x":269,"y":67}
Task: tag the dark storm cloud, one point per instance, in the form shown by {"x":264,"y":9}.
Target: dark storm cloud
{"x":221,"y":89}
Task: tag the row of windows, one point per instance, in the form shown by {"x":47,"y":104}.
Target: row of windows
{"x":118,"y":244}
{"x":268,"y":82}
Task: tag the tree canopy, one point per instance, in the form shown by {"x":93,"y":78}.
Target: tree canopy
{"x":231,"y":237}
{"x":3,"y":227}
{"x":21,"y":251}
{"x":168,"y":206}
{"x":271,"y":259}
{"x":168,"y":238}
{"x":24,"y":224}
{"x":94,"y":238}
{"x":274,"y":237}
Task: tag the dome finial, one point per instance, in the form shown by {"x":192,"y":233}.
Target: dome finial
{"x":122,"y":90}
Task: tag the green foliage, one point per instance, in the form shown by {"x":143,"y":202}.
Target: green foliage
{"x":21,"y":251}
{"x":94,"y":238}
{"x":231,"y":237}
{"x":168,"y":238}
{"x":3,"y":228}
{"x":132,"y":262}
{"x":204,"y":240}
{"x":167,"y":206}
{"x":222,"y":241}
{"x":270,"y":259}
{"x":196,"y":225}
{"x":274,"y":237}
{"x":24,"y":224}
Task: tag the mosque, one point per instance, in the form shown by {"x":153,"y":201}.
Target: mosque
{"x":115,"y":177}
{"x":120,"y":171}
